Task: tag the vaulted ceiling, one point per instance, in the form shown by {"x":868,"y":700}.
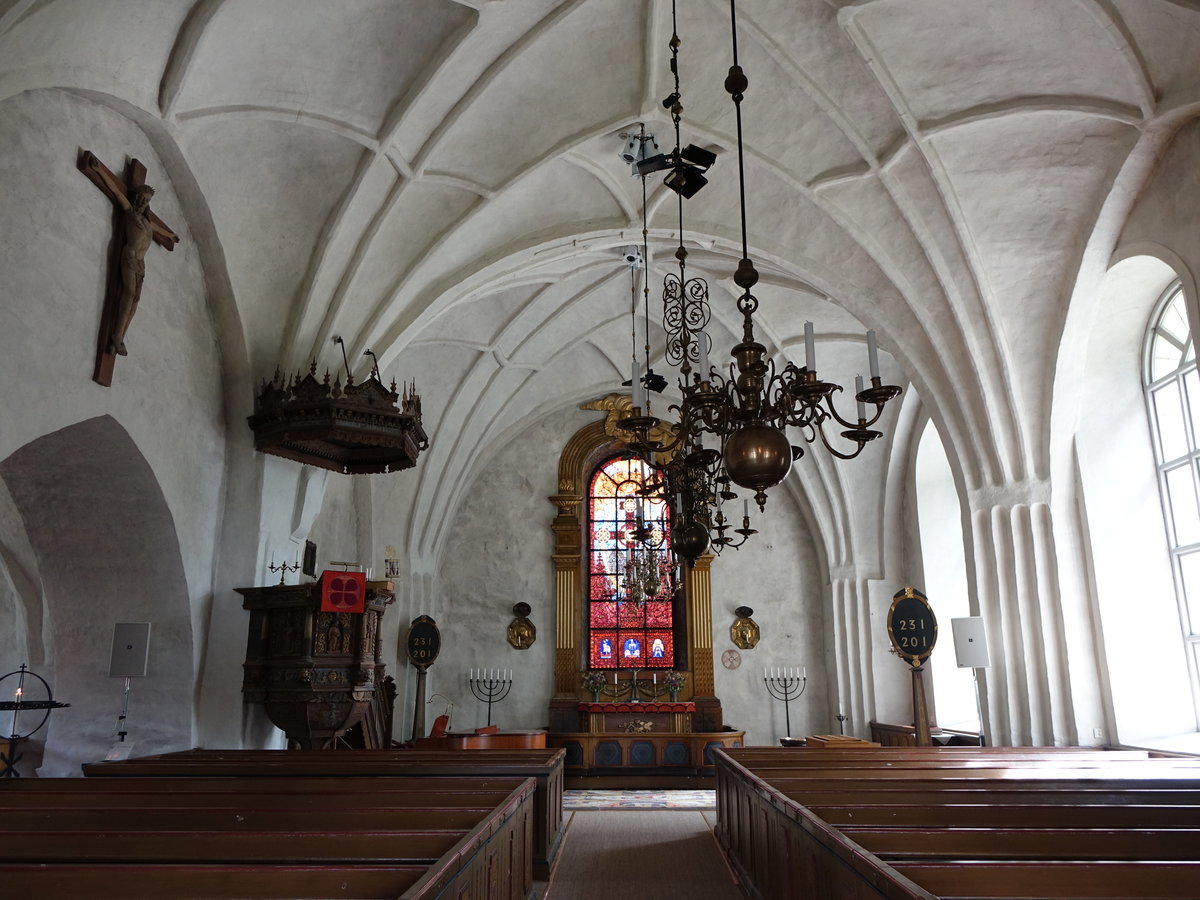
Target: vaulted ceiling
{"x":438,"y":181}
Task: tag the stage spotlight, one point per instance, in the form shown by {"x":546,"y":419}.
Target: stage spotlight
{"x":685,"y":181}
{"x":637,"y":147}
{"x":698,"y":156}
{"x":654,"y":164}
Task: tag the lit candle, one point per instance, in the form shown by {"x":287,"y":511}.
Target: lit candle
{"x":810,"y":350}
{"x":872,"y":354}
{"x":862,"y":407}
{"x":16,"y":715}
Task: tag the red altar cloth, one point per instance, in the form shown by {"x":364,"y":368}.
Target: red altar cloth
{"x":648,"y":706}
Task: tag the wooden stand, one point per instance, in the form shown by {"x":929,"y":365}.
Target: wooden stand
{"x":920,"y":709}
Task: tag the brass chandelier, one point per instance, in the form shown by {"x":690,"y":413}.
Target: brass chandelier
{"x":747,"y":407}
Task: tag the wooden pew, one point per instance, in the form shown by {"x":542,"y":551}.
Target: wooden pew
{"x":543,"y":765}
{"x":983,"y":880}
{"x":260,"y":838}
{"x":902,"y":844}
{"x":814,"y":828}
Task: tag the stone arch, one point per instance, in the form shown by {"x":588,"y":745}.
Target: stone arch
{"x":107,"y":551}
{"x":588,"y":446}
{"x":1106,"y":486}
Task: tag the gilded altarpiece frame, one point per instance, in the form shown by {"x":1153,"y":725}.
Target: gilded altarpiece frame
{"x":583,"y":451}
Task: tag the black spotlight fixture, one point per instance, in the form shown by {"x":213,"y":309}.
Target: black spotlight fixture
{"x":687,"y":168}
{"x":652,"y":380}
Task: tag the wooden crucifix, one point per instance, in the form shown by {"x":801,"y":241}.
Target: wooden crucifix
{"x":136,"y":226}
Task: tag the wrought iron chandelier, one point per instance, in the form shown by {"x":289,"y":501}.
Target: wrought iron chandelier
{"x":747,"y":407}
{"x":649,"y":571}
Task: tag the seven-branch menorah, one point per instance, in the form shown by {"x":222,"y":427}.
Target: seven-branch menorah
{"x":490,"y":686}
{"x":786,"y":685}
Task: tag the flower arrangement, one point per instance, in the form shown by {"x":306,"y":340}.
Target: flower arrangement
{"x":675,"y":680}
{"x":593,"y":681}
{"x":639,"y":726}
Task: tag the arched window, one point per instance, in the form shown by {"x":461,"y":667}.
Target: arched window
{"x":1173,"y":400}
{"x":626,"y":631}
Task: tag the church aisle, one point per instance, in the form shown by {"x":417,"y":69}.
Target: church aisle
{"x":665,"y":854}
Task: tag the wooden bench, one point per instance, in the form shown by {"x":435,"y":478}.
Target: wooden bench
{"x":545,"y":766}
{"x":807,"y":827}
{"x":261,"y":838}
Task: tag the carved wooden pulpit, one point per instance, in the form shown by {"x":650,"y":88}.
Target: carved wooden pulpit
{"x":316,"y":672}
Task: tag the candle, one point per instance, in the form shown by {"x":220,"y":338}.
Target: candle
{"x":804,"y":672}
{"x":655,"y":679}
{"x":702,"y":345}
{"x":872,"y":354}
{"x":862,"y":407}
{"x":745,"y":507}
{"x":810,"y":351}
{"x":636,"y":386}
{"x":16,"y":714}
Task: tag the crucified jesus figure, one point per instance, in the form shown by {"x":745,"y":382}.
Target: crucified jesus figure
{"x":139,"y":234}
{"x":139,"y":227}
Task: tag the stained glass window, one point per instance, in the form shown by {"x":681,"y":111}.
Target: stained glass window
{"x":630,"y":619}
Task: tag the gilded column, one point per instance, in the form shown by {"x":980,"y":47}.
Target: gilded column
{"x":567,"y":599}
{"x":698,"y":586}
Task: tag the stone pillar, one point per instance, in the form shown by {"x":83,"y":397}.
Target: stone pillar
{"x":1028,"y":698}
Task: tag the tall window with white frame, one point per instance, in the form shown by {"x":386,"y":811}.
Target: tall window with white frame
{"x":1172,"y":388}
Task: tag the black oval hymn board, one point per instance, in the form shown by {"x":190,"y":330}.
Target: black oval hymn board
{"x":912,"y":626}
{"x":423,"y":643}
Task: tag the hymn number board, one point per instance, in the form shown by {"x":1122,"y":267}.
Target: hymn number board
{"x":912,"y":626}
{"x":424,"y":642}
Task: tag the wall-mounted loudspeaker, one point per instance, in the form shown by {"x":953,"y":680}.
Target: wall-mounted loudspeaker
{"x":970,"y":643}
{"x":130,"y":649}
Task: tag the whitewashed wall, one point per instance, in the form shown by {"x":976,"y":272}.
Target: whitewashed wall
{"x":166,"y":396}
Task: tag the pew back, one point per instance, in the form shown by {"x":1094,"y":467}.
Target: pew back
{"x":261,"y":837}
{"x":545,"y":766}
{"x":988,"y":823}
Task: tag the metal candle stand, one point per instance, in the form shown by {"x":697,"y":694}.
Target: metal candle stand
{"x":17,"y":705}
{"x":786,"y":685}
{"x":634,"y":690}
{"x":490,"y":686}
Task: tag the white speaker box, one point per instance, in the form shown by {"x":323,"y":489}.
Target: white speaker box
{"x":130,"y":649}
{"x":970,"y":643}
